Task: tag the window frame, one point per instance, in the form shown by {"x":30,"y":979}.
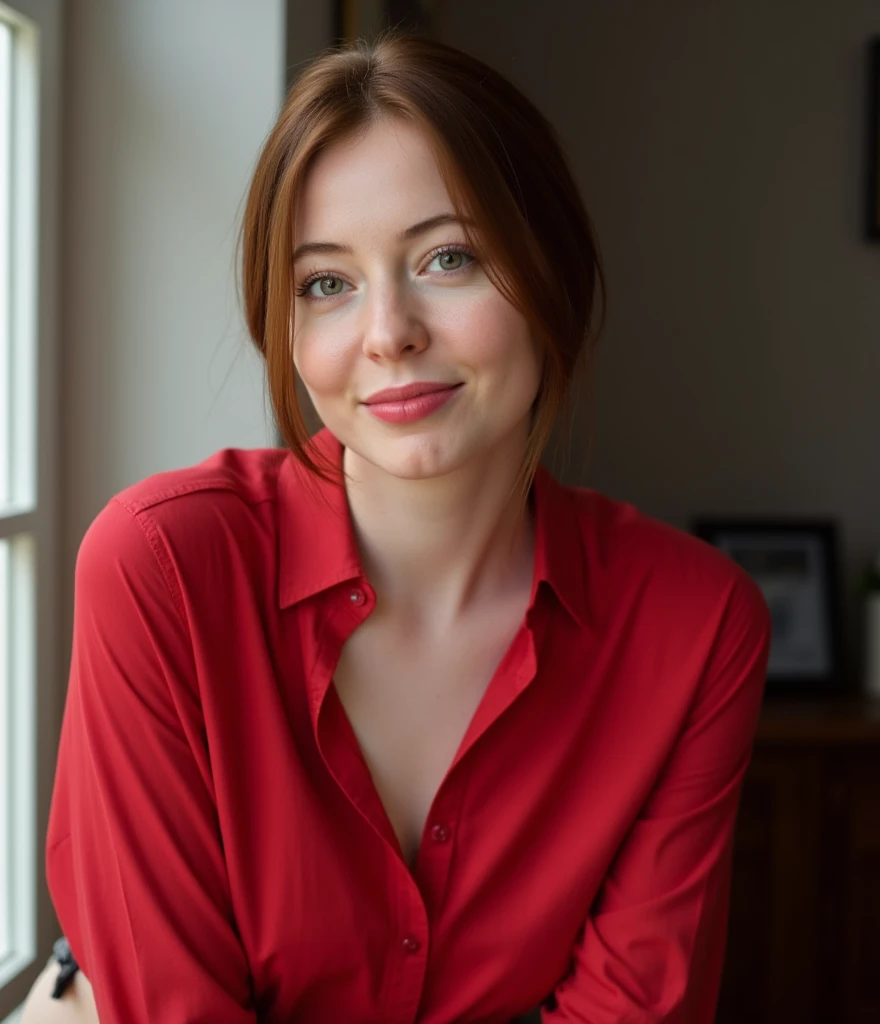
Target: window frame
{"x":37,"y":716}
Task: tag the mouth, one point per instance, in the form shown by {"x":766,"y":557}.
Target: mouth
{"x":414,"y":402}
{"x":408,"y":391}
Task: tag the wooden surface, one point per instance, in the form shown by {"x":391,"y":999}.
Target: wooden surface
{"x":804,"y":929}
{"x":846,"y":720}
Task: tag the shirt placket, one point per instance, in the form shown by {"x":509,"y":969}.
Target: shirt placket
{"x":435,"y":856}
{"x":407,"y":959}
{"x":407,"y":963}
{"x":418,"y":897}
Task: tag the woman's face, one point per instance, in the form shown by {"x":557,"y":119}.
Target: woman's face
{"x":389,"y":295}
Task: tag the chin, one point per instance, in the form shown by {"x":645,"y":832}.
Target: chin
{"x":413,"y":458}
{"x":418,"y":461}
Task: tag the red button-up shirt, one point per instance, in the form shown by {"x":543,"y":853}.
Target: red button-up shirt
{"x":218,"y":854}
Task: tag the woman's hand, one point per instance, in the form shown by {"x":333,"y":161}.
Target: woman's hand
{"x":76,"y":1006}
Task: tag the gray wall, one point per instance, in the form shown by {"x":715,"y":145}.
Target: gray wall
{"x":166,"y":106}
{"x":720,"y":150}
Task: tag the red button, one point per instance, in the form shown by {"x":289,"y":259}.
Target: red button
{"x":357,"y":596}
{"x":411,"y":945}
{"x":440,"y":834}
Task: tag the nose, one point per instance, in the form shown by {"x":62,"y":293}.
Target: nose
{"x":394,"y":327}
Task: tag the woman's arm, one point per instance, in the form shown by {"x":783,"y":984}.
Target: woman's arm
{"x":76,"y":1006}
{"x":653,"y":946}
{"x":134,"y":857}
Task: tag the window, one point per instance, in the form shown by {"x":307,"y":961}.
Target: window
{"x":28,"y":674}
{"x":17,"y":491}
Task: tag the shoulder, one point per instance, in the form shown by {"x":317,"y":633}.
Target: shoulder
{"x":247,"y":476}
{"x":674,"y":577}
{"x":181,"y":509}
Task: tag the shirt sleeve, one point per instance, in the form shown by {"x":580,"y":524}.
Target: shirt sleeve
{"x":134,"y":855}
{"x":652,"y":949}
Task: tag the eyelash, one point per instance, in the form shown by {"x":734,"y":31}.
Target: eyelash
{"x":324,"y":275}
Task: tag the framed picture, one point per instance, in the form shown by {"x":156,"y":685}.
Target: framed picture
{"x":873,"y":141}
{"x":795,"y":565}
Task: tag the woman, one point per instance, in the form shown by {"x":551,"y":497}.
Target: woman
{"x":388,"y":725}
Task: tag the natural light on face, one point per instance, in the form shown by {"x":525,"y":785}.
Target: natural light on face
{"x":389,"y":293}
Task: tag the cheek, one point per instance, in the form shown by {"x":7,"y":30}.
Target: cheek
{"x":322,"y":357}
{"x":499,"y":338}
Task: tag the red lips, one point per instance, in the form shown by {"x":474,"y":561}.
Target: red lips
{"x":412,"y":402}
{"x":407,"y":391}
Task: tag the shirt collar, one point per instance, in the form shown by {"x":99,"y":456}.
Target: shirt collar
{"x":317,"y":549}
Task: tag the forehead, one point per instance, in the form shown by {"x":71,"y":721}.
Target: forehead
{"x":386,"y":176}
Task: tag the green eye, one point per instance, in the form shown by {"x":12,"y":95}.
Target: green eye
{"x":329,"y":285}
{"x":451,"y":259}
{"x":324,"y":286}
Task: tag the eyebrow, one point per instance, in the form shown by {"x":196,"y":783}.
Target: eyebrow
{"x":423,"y":226}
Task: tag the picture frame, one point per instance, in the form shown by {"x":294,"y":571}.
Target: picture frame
{"x":873,"y":142}
{"x":795,"y":563}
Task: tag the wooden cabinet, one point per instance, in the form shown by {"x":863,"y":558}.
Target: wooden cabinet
{"x":804,"y":930}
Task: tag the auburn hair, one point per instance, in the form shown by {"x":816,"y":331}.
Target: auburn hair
{"x":504,"y":169}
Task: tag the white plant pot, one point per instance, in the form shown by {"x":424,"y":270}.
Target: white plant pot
{"x":872,"y":645}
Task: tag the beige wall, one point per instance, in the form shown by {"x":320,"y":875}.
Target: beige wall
{"x":720,"y":149}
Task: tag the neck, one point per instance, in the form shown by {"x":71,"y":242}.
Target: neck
{"x":434,"y":549}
